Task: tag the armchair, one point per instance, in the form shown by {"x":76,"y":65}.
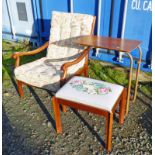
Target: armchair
{"x":63,"y":60}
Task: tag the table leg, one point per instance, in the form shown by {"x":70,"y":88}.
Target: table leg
{"x":137,"y":73}
{"x":129,"y":83}
{"x":130,"y":78}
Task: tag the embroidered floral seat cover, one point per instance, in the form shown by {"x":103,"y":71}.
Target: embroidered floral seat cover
{"x":95,"y":93}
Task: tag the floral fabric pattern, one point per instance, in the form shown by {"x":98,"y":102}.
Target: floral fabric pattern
{"x":90,"y":87}
{"x":46,"y":72}
{"x":65,"y":27}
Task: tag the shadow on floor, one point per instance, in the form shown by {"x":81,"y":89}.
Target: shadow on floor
{"x":13,"y":142}
{"x":38,"y":100}
{"x":146,"y":121}
{"x":43,"y":107}
{"x":90,"y":128}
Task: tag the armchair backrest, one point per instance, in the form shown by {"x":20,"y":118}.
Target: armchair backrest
{"x":64,"y":28}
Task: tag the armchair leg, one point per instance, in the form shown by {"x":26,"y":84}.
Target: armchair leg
{"x":56,"y":107}
{"x":20,"y":89}
{"x":86,"y":72}
{"x":122,"y":107}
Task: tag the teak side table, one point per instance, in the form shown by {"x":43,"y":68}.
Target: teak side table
{"x":120,"y":45}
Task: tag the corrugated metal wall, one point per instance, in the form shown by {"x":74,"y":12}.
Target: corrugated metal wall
{"x":18,"y":20}
{"x":130,"y":19}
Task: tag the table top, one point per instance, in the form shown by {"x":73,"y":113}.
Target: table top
{"x":118,"y":44}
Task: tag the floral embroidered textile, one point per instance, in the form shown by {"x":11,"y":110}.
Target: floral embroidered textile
{"x":90,"y":87}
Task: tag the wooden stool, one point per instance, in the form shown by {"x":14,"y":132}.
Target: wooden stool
{"x":92,"y":96}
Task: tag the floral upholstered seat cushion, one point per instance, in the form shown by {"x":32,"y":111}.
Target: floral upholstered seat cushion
{"x":95,"y":93}
{"x":40,"y":73}
{"x":45,"y":72}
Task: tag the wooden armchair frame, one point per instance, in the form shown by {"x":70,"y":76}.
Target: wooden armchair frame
{"x":64,"y":67}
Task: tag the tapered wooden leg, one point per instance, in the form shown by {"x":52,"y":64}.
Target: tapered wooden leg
{"x":64,"y":108}
{"x":86,"y":72}
{"x":86,"y":66}
{"x":20,"y":89}
{"x":56,"y":108}
{"x":122,"y":107}
{"x":109,"y":124}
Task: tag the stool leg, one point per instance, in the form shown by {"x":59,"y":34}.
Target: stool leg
{"x":122,"y":107}
{"x":56,"y":108}
{"x":109,"y":124}
{"x":20,"y":89}
{"x":64,"y":108}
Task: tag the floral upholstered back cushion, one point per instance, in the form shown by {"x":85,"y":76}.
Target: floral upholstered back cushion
{"x":90,"y":87}
{"x":65,"y":27}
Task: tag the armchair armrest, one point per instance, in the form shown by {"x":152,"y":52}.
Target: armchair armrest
{"x":17,"y":55}
{"x":65,"y":67}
